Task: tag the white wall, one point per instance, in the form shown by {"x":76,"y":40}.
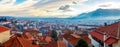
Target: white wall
{"x":94,"y":43}
{"x":4,"y":36}
{"x":117,"y":44}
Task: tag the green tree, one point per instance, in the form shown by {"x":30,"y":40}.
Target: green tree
{"x":54,"y":35}
{"x":0,"y":44}
{"x":81,"y":43}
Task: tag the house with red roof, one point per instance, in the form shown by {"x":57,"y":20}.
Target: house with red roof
{"x":28,"y":40}
{"x":74,"y":38}
{"x":30,"y":34}
{"x":4,"y":34}
{"x":17,"y":42}
{"x":108,"y":35}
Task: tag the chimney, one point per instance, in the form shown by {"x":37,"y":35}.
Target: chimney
{"x":104,"y":39}
{"x":118,"y":30}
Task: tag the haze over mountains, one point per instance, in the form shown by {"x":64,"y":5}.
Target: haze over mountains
{"x":100,"y":14}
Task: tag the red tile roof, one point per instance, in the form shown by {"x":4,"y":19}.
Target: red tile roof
{"x":51,"y":44}
{"x":2,"y":29}
{"x":110,"y":30}
{"x":97,"y":35}
{"x":61,"y":43}
{"x":31,"y":31}
{"x":48,"y":39}
{"x":44,"y":39}
{"x":28,"y":36}
{"x":17,"y":42}
{"x":67,"y":31}
{"x":74,"y":40}
{"x":110,"y":40}
{"x":71,"y":39}
{"x":75,"y":36}
{"x":87,"y":39}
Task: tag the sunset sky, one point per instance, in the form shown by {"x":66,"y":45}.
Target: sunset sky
{"x":53,"y":8}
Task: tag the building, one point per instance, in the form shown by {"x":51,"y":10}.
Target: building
{"x":108,"y":35}
{"x":72,"y":39}
{"x":17,"y":42}
{"x":4,"y":34}
{"x":28,"y":39}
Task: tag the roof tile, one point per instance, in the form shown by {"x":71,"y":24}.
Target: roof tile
{"x":2,"y":29}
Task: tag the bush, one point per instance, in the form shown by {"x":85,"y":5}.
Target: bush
{"x":54,"y":35}
{"x":81,"y":43}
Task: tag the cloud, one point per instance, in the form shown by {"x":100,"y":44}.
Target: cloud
{"x":53,"y":8}
{"x":64,"y":7}
{"x":74,"y":2}
{"x":46,"y":8}
{"x":105,"y":5}
{"x":110,"y":5}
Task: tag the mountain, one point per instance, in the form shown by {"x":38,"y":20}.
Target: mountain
{"x":8,"y":17}
{"x":100,"y":13}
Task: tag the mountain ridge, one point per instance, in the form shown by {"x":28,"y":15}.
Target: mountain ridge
{"x":99,"y":13}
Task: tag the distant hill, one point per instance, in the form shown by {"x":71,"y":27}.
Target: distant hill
{"x":8,"y":17}
{"x":99,"y":13}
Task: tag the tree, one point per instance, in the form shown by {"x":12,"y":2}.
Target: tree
{"x":81,"y":43}
{"x":54,"y":35}
{"x":105,"y":24}
{"x":0,"y":44}
{"x":76,"y":28}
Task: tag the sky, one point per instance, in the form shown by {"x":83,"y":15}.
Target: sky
{"x":53,"y":8}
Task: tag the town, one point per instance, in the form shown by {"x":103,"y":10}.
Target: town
{"x":21,"y":33}
{"x":59,"y":23}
